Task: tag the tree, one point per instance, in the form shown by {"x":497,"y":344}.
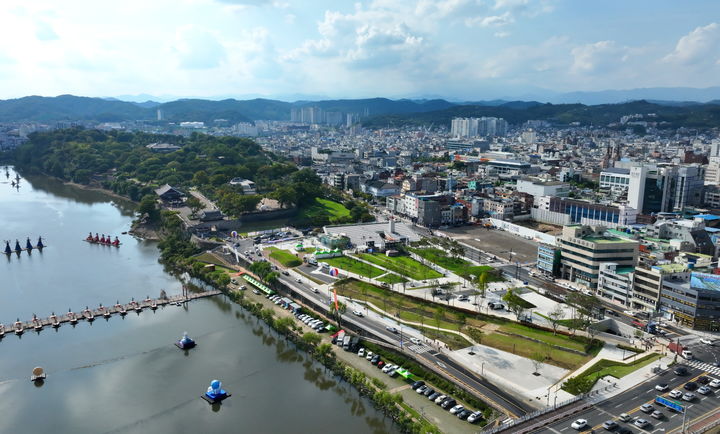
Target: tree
{"x":194,"y":204}
{"x":148,"y":206}
{"x":555,"y":316}
{"x":284,"y":324}
{"x":537,"y":359}
{"x":439,"y":315}
{"x":261,"y":268}
{"x":311,"y":338}
{"x":324,"y":351}
{"x":481,"y":282}
{"x":515,"y":304}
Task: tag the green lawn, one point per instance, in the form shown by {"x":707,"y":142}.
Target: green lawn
{"x":392,"y":278}
{"x":527,"y":348}
{"x":584,"y":382}
{"x":402,"y":265}
{"x":577,"y":343}
{"x":284,"y":257}
{"x":354,"y":266}
{"x":336,"y":212}
{"x":458,"y":266}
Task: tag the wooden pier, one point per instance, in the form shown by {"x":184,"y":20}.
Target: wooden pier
{"x":137,"y":306}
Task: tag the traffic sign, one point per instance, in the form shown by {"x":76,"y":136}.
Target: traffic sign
{"x":670,"y":404}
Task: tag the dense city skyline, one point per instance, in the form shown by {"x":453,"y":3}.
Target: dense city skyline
{"x":456,"y":49}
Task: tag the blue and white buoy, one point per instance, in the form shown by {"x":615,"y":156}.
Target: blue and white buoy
{"x":185,"y":343}
{"x":215,"y":392}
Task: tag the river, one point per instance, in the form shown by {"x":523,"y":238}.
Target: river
{"x":125,"y":375}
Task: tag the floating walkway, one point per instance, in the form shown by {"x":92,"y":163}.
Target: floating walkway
{"x":89,"y":315}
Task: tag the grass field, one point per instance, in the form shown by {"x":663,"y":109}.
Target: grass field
{"x":336,"y":212}
{"x":527,"y":348}
{"x":354,"y":266}
{"x":284,"y":257}
{"x":458,"y":266}
{"x":584,"y":382}
{"x":406,"y":308}
{"x":392,"y":279}
{"x":402,"y":265}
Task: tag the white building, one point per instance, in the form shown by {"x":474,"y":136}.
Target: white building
{"x":538,"y":188}
{"x":615,"y":283}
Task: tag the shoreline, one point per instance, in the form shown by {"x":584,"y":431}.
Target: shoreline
{"x":98,"y":189}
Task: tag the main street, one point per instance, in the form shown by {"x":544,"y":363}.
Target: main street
{"x":630,"y":401}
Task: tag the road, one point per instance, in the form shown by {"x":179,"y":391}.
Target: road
{"x":630,"y":401}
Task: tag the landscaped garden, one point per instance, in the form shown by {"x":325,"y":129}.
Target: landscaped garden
{"x":457,"y":265}
{"x":404,"y":265}
{"x":354,"y":266}
{"x":284,"y":257}
{"x":391,"y":279}
{"x":584,"y":382}
{"x":565,"y":351}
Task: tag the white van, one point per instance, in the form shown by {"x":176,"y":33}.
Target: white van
{"x":687,"y":354}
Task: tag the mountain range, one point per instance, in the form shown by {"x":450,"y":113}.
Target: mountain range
{"x":377,"y":111}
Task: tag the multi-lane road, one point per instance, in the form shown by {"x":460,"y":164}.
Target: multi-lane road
{"x":631,"y":400}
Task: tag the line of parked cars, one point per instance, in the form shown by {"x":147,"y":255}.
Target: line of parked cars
{"x":447,"y":402}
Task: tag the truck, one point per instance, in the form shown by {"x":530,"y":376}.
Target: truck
{"x":346,"y":342}
{"x":680,"y":350}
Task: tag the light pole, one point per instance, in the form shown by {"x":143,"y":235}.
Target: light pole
{"x":482,"y":368}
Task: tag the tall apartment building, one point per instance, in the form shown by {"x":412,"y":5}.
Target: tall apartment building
{"x":665,"y":189}
{"x":584,"y":248}
{"x":484,"y":126}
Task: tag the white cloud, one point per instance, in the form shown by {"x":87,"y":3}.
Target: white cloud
{"x":490,"y":21}
{"x":702,"y":45}
{"x":597,"y":57}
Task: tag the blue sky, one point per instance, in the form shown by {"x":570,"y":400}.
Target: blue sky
{"x":458,"y":49}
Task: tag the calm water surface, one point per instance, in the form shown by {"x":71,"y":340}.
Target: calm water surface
{"x":124,"y":375}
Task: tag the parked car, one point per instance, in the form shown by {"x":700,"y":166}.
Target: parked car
{"x":421,"y":389}
{"x":657,"y":414}
{"x":462,"y":415}
{"x":625,"y":417}
{"x":448,"y":403}
{"x":623,"y":430}
{"x":579,"y":424}
{"x":415,"y":341}
{"x":369,"y":356}
{"x":456,"y":409}
{"x":256,"y":292}
{"x":680,"y":370}
{"x":391,"y":329}
{"x":357,"y":313}
{"x":380,"y":364}
{"x":440,"y":399}
{"x":376,"y":359}
{"x":690,"y":385}
{"x":703,"y":380}
{"x":715,"y":383}
{"x":647,"y":408}
{"x":688,"y":396}
{"x":417,"y":384}
{"x":433,"y":396}
{"x":475,"y":417}
{"x":429,"y":391}
{"x":387,"y":367}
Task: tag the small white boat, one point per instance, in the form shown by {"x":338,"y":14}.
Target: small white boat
{"x":18,"y":327}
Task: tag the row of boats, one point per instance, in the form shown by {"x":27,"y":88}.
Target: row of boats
{"x":28,"y":246}
{"x":106,"y":241}
{"x":86,"y":314}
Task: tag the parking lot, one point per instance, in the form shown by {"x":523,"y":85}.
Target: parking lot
{"x":496,"y":242}
{"x":631,"y":400}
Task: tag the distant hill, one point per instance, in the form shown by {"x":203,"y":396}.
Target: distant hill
{"x":700,"y":115}
{"x":68,"y":107}
{"x":378,"y":106}
{"x":381,"y":111}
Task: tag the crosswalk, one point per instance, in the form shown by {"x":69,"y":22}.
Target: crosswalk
{"x":418,"y":348}
{"x":704,"y":366}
